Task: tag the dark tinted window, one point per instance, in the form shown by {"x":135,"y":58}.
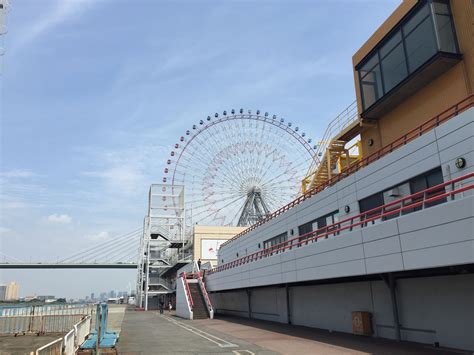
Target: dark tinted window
{"x":417,"y":39}
{"x":420,"y":44}
{"x":394,"y":67}
{"x":372,"y":86}
{"x":416,"y":19}
{"x":371,"y":202}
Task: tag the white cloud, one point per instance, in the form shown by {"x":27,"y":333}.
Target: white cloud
{"x":61,"y":12}
{"x":4,"y":230}
{"x":17,"y":174}
{"x":60,"y":218}
{"x":130,"y":171}
{"x":98,"y":237}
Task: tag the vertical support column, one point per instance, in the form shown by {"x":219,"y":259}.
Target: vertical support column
{"x":392,"y":283}
{"x":328,"y":157}
{"x":249,"y":302}
{"x":147,"y":267}
{"x":288,"y":304}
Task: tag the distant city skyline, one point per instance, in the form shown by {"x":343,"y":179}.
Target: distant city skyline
{"x":94,"y":95}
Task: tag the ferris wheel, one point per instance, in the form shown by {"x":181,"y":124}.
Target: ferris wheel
{"x":238,"y":167}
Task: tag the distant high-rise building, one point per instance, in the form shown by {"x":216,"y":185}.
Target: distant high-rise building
{"x":12,"y":291}
{"x":3,"y":292}
{"x":112,"y":294}
{"x":92,"y":296}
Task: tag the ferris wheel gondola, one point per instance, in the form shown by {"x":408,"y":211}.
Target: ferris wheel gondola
{"x":238,"y":167}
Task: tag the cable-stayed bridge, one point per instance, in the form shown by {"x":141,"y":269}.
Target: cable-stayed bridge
{"x":119,"y":252}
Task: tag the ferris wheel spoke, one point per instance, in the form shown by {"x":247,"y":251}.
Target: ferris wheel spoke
{"x":222,"y":163}
{"x":220,"y":209}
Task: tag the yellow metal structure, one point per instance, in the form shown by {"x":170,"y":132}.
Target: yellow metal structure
{"x":332,"y":153}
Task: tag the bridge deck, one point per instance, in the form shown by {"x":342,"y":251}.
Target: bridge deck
{"x":67,"y":266}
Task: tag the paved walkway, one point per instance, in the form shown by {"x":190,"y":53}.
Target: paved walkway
{"x":150,"y":333}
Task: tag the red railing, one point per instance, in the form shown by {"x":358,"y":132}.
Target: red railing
{"x":204,"y":292}
{"x":425,"y":198}
{"x":406,"y":138}
{"x":188,"y":291}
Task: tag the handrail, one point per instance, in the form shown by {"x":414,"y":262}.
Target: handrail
{"x":188,"y":291}
{"x":435,"y":121}
{"x":338,"y":124}
{"x":396,"y":207}
{"x":204,"y":292}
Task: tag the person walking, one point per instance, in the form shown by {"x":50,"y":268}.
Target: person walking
{"x":162,"y":306}
{"x":199,"y":264}
{"x":170,"y":307}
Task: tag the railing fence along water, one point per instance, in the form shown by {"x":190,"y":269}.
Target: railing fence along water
{"x":414,"y":202}
{"x":427,"y":126}
{"x":69,"y":344}
{"x":53,"y":348}
{"x":41,"y":319}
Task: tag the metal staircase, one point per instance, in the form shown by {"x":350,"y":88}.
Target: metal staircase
{"x":332,"y":154}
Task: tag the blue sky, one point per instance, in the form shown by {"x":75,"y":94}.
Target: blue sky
{"x":95,"y":93}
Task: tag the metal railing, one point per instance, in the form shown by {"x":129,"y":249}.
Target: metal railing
{"x":69,"y":344}
{"x":420,"y":200}
{"x":38,"y":324}
{"x":337,"y":125}
{"x":206,"y":296}
{"x":53,"y":348}
{"x":434,"y":122}
{"x":198,"y":276}
{"x":62,"y":309}
{"x":188,"y":291}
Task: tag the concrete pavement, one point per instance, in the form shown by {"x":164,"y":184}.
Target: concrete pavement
{"x":151,"y":333}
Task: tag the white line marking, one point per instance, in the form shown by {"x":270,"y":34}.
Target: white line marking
{"x":212,"y":338}
{"x":241,"y":351}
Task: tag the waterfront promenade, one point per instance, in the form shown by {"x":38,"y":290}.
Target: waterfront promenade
{"x":151,"y":333}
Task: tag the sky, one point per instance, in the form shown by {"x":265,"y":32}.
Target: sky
{"x":94,"y":94}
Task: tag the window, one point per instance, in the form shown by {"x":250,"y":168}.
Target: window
{"x":316,"y":224}
{"x":275,"y":240}
{"x":414,"y":185}
{"x":394,"y":67}
{"x":444,"y":26}
{"x":372,"y":85}
{"x":426,"y":181}
{"x":420,"y":44}
{"x":369,"y":203}
{"x":427,"y":30}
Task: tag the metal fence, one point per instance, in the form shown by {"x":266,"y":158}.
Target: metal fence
{"x":38,"y":324}
{"x":69,"y":344}
{"x":62,"y":309}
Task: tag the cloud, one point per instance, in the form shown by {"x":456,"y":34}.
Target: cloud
{"x":4,"y":230}
{"x":98,"y":237}
{"x":60,"y":218}
{"x":129,"y":171}
{"x":17,"y":174}
{"x":61,"y":12}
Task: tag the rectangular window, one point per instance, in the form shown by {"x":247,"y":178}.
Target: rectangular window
{"x":370,"y":203}
{"x":275,"y":241}
{"x":372,"y":88}
{"x":394,"y":67}
{"x":427,"y":30}
{"x":420,"y":44}
{"x":444,"y":26}
{"x":317,"y":224}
